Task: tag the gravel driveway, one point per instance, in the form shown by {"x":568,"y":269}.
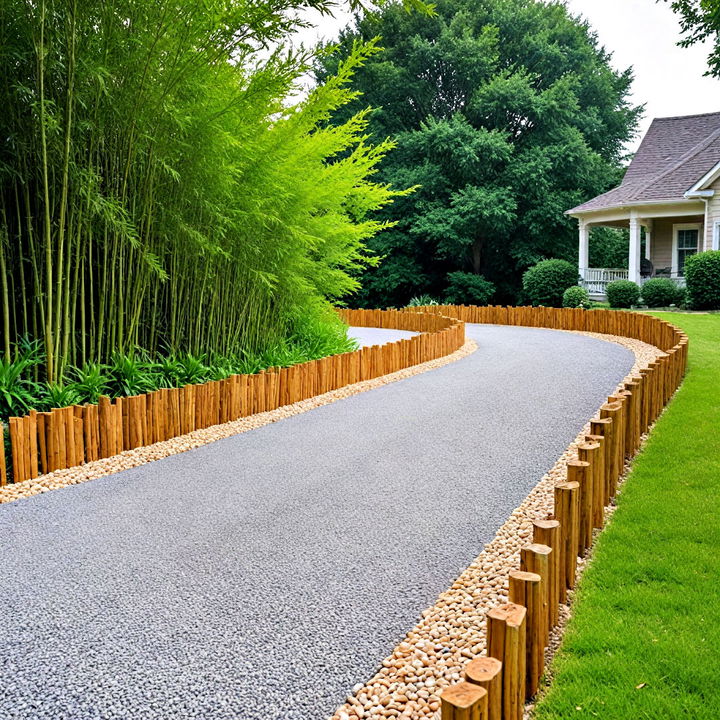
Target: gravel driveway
{"x":262,"y":576}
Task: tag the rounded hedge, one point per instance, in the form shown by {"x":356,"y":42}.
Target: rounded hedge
{"x":468,"y":289}
{"x":575,"y":297}
{"x":702,"y":276}
{"x":662,"y":292}
{"x":545,"y":283}
{"x":622,"y":293}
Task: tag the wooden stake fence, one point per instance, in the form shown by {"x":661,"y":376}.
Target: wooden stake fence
{"x":548,"y":566}
{"x":66,"y":437}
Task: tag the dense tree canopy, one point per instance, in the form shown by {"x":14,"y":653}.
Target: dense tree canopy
{"x":506,"y":113}
{"x":700,"y":21}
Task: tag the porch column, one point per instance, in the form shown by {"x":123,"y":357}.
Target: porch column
{"x":634,"y":255}
{"x":648,"y":239}
{"x":584,"y":249}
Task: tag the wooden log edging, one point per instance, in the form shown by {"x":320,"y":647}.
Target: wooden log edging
{"x":547,"y":567}
{"x":64,"y":438}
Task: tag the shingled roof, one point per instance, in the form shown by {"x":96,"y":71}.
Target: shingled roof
{"x":674,"y":154}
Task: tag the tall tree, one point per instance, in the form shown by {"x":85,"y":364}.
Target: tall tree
{"x":506,"y":113}
{"x":700,"y":21}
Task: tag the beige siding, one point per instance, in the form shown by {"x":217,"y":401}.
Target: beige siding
{"x":662,"y":239}
{"x":713,"y":214}
{"x":661,"y":244}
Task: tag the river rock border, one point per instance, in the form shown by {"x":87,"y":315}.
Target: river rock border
{"x":433,"y":654}
{"x":139,"y":456}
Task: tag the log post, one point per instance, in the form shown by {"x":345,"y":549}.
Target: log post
{"x":525,"y":588}
{"x":590,"y":452}
{"x":617,"y":444}
{"x":567,"y":510}
{"x":601,"y":427}
{"x":3,"y":466}
{"x":547,"y":532}
{"x":32,"y":443}
{"x":535,"y":558}
{"x":487,"y":673}
{"x":506,"y":642}
{"x":634,"y":386}
{"x":577,"y":471}
{"x":464,"y":701}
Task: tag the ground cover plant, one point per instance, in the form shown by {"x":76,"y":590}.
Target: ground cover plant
{"x":159,"y":187}
{"x":644,"y":637}
{"x":142,"y":372}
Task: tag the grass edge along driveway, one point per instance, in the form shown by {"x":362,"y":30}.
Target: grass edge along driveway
{"x":644,"y":639}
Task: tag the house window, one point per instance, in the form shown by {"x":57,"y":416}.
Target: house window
{"x":716,"y":236}
{"x":685,"y":243}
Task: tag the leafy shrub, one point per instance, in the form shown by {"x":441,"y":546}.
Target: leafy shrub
{"x":576,"y":297}
{"x":702,"y":275}
{"x":89,"y":381}
{"x":468,"y":289}
{"x":622,"y":293}
{"x":422,"y":301}
{"x":661,"y":292}
{"x":545,"y":283}
{"x":129,"y":375}
{"x":58,"y":395}
{"x":18,"y":392}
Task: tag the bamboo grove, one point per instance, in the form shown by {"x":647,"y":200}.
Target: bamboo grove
{"x":159,"y":188}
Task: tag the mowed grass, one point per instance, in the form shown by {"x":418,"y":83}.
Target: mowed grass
{"x":644,"y":640}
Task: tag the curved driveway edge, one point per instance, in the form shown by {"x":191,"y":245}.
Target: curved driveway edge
{"x":264,"y":575}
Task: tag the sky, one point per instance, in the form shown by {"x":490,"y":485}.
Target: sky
{"x":643,"y":34}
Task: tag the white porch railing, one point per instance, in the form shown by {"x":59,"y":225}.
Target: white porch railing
{"x":595,"y":280}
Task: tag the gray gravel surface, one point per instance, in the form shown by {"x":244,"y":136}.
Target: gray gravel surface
{"x":378,"y":336}
{"x":262,"y":576}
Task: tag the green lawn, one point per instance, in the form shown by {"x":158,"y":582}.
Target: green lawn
{"x":644,"y":641}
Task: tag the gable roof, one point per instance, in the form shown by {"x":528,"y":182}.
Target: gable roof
{"x":674,"y":154}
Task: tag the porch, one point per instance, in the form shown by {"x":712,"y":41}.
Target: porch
{"x":670,"y":233}
{"x":596,"y":280}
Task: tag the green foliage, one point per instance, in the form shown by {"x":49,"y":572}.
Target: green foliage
{"x":662,"y":292}
{"x":58,"y":395}
{"x":609,"y":248}
{"x":132,"y":375}
{"x":90,"y":381}
{"x":576,"y":297}
{"x":18,"y":391}
{"x":506,"y":113}
{"x":308,"y":338}
{"x":702,"y":276}
{"x":545,"y":282}
{"x":468,"y":289}
{"x":622,"y":294}
{"x":422,"y":301}
{"x":162,"y":187}
{"x":700,"y":22}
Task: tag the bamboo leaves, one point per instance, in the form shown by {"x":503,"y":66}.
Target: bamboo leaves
{"x":161,"y":191}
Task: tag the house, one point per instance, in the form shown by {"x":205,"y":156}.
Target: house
{"x":671,"y":190}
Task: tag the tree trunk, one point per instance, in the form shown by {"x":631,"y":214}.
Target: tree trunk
{"x":477,"y":256}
